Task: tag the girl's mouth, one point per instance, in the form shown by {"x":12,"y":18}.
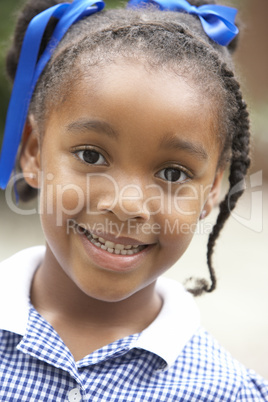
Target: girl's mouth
{"x":108,"y":254}
{"x":114,"y":248}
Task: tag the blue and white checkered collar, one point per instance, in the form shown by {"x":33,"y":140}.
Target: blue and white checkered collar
{"x":166,"y":337}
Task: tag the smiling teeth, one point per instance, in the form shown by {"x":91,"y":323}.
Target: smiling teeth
{"x":114,"y":248}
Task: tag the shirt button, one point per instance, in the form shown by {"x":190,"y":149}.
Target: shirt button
{"x":74,"y":395}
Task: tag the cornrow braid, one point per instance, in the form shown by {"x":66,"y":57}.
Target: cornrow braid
{"x":174,"y":40}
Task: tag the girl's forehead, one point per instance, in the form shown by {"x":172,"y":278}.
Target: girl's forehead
{"x":131,"y":99}
{"x":135,"y":82}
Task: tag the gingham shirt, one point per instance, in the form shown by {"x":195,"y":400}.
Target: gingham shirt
{"x":173,"y":359}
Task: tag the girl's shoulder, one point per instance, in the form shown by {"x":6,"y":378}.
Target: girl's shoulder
{"x":27,"y":258}
{"x":16,"y":274}
{"x":20,"y":267}
{"x":207,"y":363}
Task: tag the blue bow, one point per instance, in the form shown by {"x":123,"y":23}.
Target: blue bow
{"x":218,"y":21}
{"x":29,"y":70}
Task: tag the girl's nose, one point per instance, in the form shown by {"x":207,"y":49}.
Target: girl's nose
{"x":128,"y":203}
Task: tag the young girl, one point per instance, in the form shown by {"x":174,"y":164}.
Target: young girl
{"x":127,"y":120}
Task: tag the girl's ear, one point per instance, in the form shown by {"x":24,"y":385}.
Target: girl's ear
{"x":213,"y":196}
{"x":30,"y":153}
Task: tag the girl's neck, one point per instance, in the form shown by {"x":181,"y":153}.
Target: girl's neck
{"x":57,"y":298}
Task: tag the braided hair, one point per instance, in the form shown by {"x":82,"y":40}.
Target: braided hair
{"x":174,"y":40}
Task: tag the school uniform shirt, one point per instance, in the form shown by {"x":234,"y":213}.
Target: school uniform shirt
{"x":173,"y":359}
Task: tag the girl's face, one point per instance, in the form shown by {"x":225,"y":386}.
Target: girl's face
{"x":127,"y":164}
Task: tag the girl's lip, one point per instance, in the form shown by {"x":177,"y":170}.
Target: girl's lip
{"x":119,"y":240}
{"x":114,"y":262}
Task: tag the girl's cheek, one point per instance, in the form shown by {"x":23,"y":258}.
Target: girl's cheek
{"x":190,"y":198}
{"x":180,"y":217}
{"x":179,"y":201}
{"x":69,"y":198}
{"x":61,"y":201}
{"x":184,"y":203}
{"x":178,"y":228}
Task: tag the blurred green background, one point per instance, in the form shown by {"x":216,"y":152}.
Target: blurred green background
{"x":251,"y":61}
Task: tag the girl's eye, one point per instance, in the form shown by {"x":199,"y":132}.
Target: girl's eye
{"x":174,"y":175}
{"x":91,"y":157}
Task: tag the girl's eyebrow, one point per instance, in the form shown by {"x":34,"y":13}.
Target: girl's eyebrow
{"x":168,"y":141}
{"x":174,"y":142}
{"x":99,"y":126}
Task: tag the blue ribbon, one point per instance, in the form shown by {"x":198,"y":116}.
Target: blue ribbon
{"x":218,"y":21}
{"x":29,"y":70}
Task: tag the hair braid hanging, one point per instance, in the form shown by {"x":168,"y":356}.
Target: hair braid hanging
{"x":240,"y":162}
